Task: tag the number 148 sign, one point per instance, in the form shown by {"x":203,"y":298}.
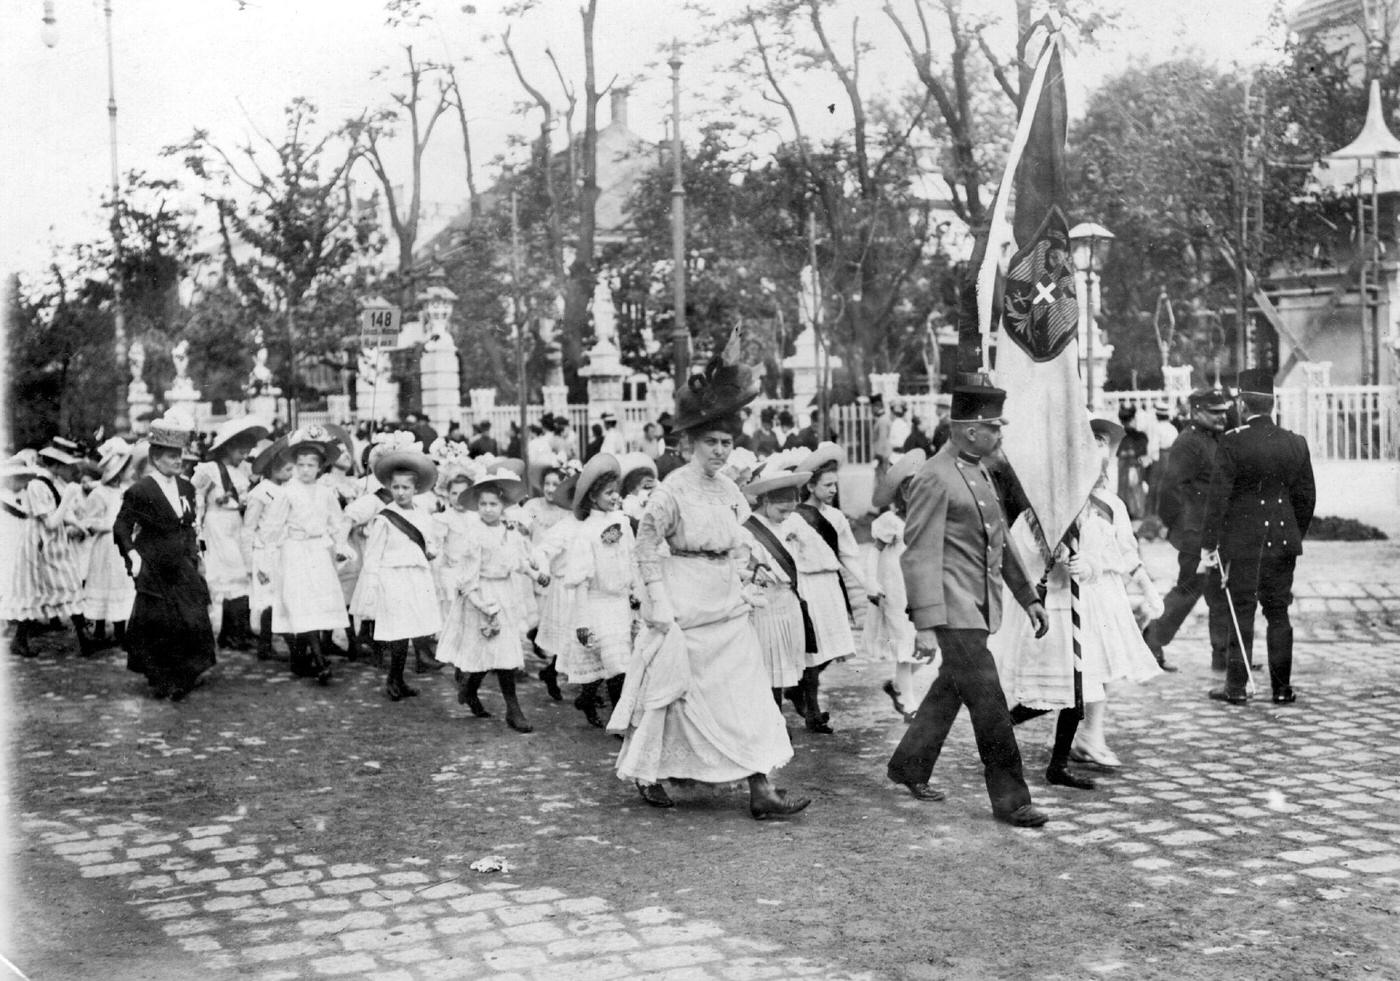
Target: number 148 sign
{"x":379,"y":327}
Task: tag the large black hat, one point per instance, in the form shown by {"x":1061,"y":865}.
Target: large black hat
{"x":1256,"y":381}
{"x":722,"y":389}
{"x":978,"y":403}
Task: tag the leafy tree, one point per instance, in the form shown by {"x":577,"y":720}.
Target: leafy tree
{"x":296,"y":248}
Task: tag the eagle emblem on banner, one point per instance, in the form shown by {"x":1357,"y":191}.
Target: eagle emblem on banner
{"x":1039,"y":305}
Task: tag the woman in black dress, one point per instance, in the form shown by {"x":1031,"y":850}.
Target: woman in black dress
{"x":169,"y":638}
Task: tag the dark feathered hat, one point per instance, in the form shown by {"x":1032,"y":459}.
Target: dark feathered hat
{"x":722,"y":389}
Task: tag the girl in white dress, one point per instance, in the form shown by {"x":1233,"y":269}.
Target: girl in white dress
{"x":556,"y":633}
{"x":889,"y":633}
{"x":221,"y":488}
{"x":1040,"y":675}
{"x":486,"y":625}
{"x":821,"y":583}
{"x":308,"y":525}
{"x":454,"y":527}
{"x":273,"y":467}
{"x":402,"y":543}
{"x":599,"y":569}
{"x":108,"y":592}
{"x":53,"y":585}
{"x":780,"y":622}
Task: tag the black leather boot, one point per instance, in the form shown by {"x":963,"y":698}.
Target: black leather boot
{"x":515,"y":718}
{"x":615,"y":684}
{"x":354,"y":651}
{"x":264,"y":647}
{"x":587,"y":703}
{"x":550,"y":676}
{"x":19,"y":642}
{"x":397,"y":688}
{"x":238,"y":625}
{"x":423,"y":659}
{"x":86,"y":646}
{"x":815,"y":719}
{"x":467,"y":687}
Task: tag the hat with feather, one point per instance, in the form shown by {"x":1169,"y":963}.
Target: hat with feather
{"x":721,"y":389}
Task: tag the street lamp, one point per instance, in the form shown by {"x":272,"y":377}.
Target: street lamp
{"x":1089,"y":243}
{"x":49,"y":35}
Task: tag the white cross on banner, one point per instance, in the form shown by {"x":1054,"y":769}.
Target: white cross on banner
{"x":1045,"y":293}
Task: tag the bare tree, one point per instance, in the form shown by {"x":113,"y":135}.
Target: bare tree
{"x":372,"y":130}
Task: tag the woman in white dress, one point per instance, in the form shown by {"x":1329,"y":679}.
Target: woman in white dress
{"x":403,"y":541}
{"x":308,"y":525}
{"x":108,"y":592}
{"x":697,"y":705}
{"x":273,"y":468}
{"x":486,"y":625}
{"x":889,"y":633}
{"x":599,"y":568}
{"x":1040,"y":675}
{"x":221,"y":486}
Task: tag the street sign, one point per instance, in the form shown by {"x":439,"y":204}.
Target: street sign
{"x":379,"y":326}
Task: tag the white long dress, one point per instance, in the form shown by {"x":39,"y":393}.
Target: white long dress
{"x":263,"y":557}
{"x":407,"y":597}
{"x":889,"y":633}
{"x":494,"y":559}
{"x":221,"y":528}
{"x":818,"y":580}
{"x":307,"y":522}
{"x":557,"y":632}
{"x":109,"y":592}
{"x":1040,"y":673}
{"x":697,"y":704}
{"x":599,"y":568}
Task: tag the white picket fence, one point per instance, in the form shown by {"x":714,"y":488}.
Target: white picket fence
{"x":1340,"y":422}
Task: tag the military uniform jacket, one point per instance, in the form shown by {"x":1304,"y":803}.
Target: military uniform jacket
{"x":955,"y":547}
{"x":1261,"y":494}
{"x":1186,"y":487}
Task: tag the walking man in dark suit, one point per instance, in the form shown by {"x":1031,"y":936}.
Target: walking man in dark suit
{"x":1260,"y":505}
{"x":1185,"y":486}
{"x":953,"y":566}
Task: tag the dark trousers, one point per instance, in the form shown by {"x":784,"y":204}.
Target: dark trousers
{"x":967,"y":676}
{"x":1265,"y":583}
{"x":1181,"y":599}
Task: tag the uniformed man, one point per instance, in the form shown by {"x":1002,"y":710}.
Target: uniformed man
{"x":1260,"y":505}
{"x":1185,"y":486}
{"x":953,"y":566}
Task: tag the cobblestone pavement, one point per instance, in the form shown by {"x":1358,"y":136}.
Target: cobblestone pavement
{"x":268,"y":829}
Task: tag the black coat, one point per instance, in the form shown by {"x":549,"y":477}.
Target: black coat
{"x":169,"y":638}
{"x":1261,"y":493}
{"x":1185,"y":486}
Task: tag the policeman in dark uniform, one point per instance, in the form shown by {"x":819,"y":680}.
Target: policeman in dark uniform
{"x":1260,"y":505}
{"x":1184,"y":487}
{"x":953,"y":565}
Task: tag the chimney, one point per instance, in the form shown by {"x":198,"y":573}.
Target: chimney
{"x":619,"y":107}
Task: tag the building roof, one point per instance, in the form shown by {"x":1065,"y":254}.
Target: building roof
{"x":1374,"y":146}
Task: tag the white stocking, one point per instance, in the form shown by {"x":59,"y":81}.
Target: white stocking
{"x":904,"y":677}
{"x":1094,"y":713}
{"x":216,"y":616}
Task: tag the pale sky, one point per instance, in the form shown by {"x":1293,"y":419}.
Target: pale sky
{"x":231,"y":65}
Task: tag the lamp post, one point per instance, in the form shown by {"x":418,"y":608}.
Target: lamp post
{"x":1090,"y":244}
{"x":48,"y":33}
{"x":680,"y":333}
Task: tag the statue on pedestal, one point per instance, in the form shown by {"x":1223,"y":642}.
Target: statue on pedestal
{"x":136,"y":361}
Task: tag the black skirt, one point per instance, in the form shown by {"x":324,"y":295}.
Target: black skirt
{"x":169,"y":638}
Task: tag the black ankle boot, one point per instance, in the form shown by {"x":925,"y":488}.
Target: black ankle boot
{"x":86,"y":647}
{"x":1059,"y":774}
{"x":797,"y":698}
{"x":397,"y":688}
{"x":353,"y":651}
{"x":615,"y":684}
{"x":550,"y":676}
{"x":811,"y":703}
{"x":423,"y":660}
{"x":264,"y":647}
{"x":99,"y":633}
{"x":515,"y":718}
{"x":467,"y":687}
{"x":238,"y":626}
{"x":587,"y":703}
{"x":19,"y":643}
{"x":119,"y":635}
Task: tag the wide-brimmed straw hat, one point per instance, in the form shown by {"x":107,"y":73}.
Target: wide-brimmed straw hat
{"x":900,"y":471}
{"x":269,"y":456}
{"x":61,"y":450}
{"x":824,"y":455}
{"x":115,"y":456}
{"x":778,"y":471}
{"x":633,"y":462}
{"x":314,"y":438}
{"x":563,"y":495}
{"x":505,"y":482}
{"x":1107,"y":427}
{"x":247,"y":429}
{"x":594,"y":470}
{"x":419,"y":464}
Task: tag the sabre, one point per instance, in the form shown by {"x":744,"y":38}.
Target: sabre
{"x":1249,"y":688}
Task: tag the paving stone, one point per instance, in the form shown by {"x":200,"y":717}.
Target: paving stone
{"x":355,"y":964}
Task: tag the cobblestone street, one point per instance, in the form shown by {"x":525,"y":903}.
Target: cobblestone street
{"x":269,"y":829}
